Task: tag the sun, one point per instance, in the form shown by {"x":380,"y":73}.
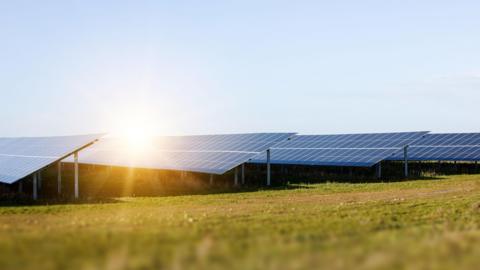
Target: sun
{"x":138,"y":139}
{"x":136,"y":129}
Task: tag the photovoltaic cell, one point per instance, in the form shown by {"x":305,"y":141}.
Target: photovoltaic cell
{"x":445,"y":147}
{"x":362,"y":150}
{"x":20,"y":157}
{"x":215,"y":154}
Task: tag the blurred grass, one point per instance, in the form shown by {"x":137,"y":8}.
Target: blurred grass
{"x":423,"y":224}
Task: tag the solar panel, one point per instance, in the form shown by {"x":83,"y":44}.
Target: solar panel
{"x":363,"y":150}
{"x":20,"y":157}
{"x":446,"y":146}
{"x":215,"y":154}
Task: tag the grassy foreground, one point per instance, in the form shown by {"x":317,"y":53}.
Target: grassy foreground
{"x":425,"y":224}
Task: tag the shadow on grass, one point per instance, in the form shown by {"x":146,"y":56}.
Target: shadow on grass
{"x":349,"y":180}
{"x":13,"y":200}
{"x":26,"y":201}
{"x":225,"y":190}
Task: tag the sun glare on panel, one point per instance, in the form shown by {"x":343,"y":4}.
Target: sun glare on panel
{"x":138,"y":128}
{"x":136,"y":132}
{"x":138,"y":140}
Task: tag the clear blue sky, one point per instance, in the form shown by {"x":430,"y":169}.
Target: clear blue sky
{"x":193,"y":67}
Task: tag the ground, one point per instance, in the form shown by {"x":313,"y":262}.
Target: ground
{"x":418,"y":224}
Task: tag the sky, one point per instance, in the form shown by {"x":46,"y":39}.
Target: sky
{"x":205,"y":67}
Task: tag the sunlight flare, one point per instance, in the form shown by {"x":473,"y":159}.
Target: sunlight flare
{"x":136,"y":128}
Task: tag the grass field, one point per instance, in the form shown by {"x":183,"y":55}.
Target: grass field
{"x":424,"y":224}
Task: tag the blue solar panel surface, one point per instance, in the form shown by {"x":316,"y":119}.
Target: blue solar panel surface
{"x":20,"y":157}
{"x":363,"y":150}
{"x":445,"y":147}
{"x":214,"y":154}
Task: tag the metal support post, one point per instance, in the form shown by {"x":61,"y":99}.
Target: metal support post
{"x":34,"y":186}
{"x":243,"y":174}
{"x":59,"y":178}
{"x":75,"y":158}
{"x":235,"y":182}
{"x":379,"y":170}
{"x":39,"y":180}
{"x":20,"y":187}
{"x":269,"y":183}
{"x":405,"y":157}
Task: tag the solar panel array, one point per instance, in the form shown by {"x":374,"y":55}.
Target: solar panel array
{"x":363,"y":150}
{"x":215,"y":154}
{"x":20,"y":157}
{"x":445,"y":147}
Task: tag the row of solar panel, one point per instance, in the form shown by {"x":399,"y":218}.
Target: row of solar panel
{"x":326,"y":157}
{"x":236,"y":142}
{"x":446,"y":153}
{"x":444,"y":147}
{"x":205,"y":161}
{"x":21,"y":157}
{"x":217,"y":154}
{"x":364,"y":150}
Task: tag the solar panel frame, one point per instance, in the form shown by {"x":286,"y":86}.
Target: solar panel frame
{"x":21,"y":157}
{"x":356,"y":150}
{"x":445,"y":147}
{"x":213,"y":154}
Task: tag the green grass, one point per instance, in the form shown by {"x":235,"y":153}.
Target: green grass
{"x":424,"y":224}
